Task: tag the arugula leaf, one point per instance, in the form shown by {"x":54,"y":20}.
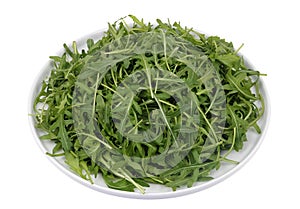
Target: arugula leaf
{"x":63,"y":136}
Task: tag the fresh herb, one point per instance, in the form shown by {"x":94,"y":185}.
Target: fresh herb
{"x":236,"y":94}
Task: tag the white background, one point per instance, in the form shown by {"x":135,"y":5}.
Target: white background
{"x":33,"y":30}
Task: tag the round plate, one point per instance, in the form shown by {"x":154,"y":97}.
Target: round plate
{"x":154,"y":191}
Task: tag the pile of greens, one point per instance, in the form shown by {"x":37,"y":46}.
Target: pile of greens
{"x":235,"y":94}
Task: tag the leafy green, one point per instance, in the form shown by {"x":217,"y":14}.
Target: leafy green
{"x":233,"y":103}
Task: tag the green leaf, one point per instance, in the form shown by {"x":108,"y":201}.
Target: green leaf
{"x":48,"y":136}
{"x":63,"y":136}
{"x":230,"y":60}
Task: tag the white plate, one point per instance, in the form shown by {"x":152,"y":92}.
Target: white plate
{"x":154,"y":191}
